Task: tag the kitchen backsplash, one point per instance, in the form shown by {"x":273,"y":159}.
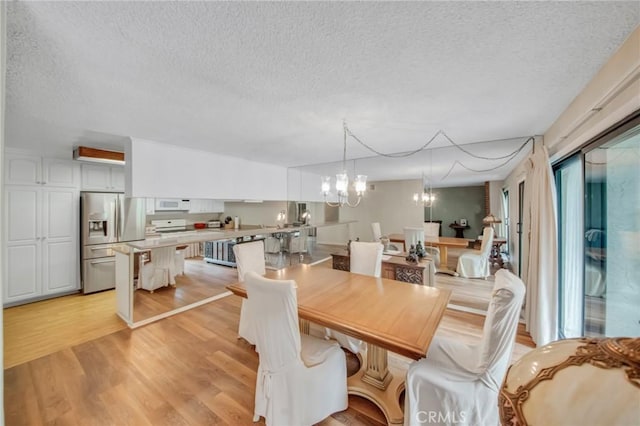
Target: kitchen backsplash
{"x":191,"y":218}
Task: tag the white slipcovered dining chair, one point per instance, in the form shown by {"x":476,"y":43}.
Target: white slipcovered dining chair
{"x":459,"y":383}
{"x":412,"y":236}
{"x":365,"y":259}
{"x":301,"y":380}
{"x":475,"y":263}
{"x":160,"y":271}
{"x":377,"y":233}
{"x":432,"y":229}
{"x":249,"y":258}
{"x":179,"y":259}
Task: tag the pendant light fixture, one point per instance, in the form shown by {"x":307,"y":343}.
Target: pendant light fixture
{"x":342,"y":181}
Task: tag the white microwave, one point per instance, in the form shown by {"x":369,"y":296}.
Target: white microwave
{"x":169,"y":204}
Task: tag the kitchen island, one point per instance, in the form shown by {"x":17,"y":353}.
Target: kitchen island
{"x":125,"y":282}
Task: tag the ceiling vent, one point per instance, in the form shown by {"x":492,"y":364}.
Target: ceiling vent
{"x":85,"y":153}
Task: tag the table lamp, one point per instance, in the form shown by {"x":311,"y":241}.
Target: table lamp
{"x":491,"y":220}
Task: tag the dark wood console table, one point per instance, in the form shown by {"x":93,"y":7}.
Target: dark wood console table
{"x":459,"y":229}
{"x":395,"y":268}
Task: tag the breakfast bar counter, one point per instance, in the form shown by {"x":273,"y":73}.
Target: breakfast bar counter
{"x":223,"y":234}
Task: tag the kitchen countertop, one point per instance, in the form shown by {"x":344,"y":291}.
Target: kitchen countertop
{"x":208,"y":234}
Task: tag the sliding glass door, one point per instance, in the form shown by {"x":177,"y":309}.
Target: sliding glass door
{"x":599,"y":236}
{"x":612,"y":236}
{"x":568,"y":177}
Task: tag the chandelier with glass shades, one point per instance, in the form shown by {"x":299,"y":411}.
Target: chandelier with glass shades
{"x":424,"y":197}
{"x":342,"y":182}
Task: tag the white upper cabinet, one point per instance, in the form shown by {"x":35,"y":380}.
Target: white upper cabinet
{"x":117,"y":178}
{"x":22,"y":169}
{"x":206,"y":206}
{"x":102,"y":178}
{"x":60,"y":173}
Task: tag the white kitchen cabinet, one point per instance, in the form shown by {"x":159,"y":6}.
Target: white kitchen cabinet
{"x":206,"y":206}
{"x":23,"y":169}
{"x":117,"y":178}
{"x":217,"y":206}
{"x":195,"y":205}
{"x":97,"y":177}
{"x":41,"y":228}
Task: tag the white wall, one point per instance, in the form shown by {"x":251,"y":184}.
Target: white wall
{"x":610,"y":96}
{"x":163,"y":170}
{"x":391,"y":204}
{"x":303,"y":186}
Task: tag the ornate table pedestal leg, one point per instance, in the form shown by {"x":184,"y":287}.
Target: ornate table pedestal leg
{"x":377,"y":383}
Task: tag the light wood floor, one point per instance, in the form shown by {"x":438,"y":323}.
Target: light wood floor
{"x":42,"y":328}
{"x":200,"y":281}
{"x":187,"y":369}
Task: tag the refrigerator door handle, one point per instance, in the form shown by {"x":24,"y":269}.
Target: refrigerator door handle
{"x":117,"y":225}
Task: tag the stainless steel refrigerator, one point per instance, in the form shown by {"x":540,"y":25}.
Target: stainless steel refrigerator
{"x":108,"y":220}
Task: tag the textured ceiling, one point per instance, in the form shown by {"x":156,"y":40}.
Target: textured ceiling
{"x":272,"y":82}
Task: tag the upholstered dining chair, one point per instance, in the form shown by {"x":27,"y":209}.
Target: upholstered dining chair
{"x":301,"y":380}
{"x":378,"y":237}
{"x":377,"y":233}
{"x":412,"y":236}
{"x":365,"y":259}
{"x":475,"y":263}
{"x":432,"y":229}
{"x":161,"y":271}
{"x":179,"y":259}
{"x":461,"y":382}
{"x":249,"y":258}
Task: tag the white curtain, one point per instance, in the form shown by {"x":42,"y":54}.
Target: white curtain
{"x":540,"y":269}
{"x":572,"y":258}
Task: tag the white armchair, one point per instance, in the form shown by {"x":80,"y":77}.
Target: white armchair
{"x":249,"y":258}
{"x":365,"y":259}
{"x":299,"y":381}
{"x":475,"y":263}
{"x":460,"y":383}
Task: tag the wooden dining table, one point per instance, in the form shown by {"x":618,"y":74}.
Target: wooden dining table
{"x":443,"y":243}
{"x":389,"y":315}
